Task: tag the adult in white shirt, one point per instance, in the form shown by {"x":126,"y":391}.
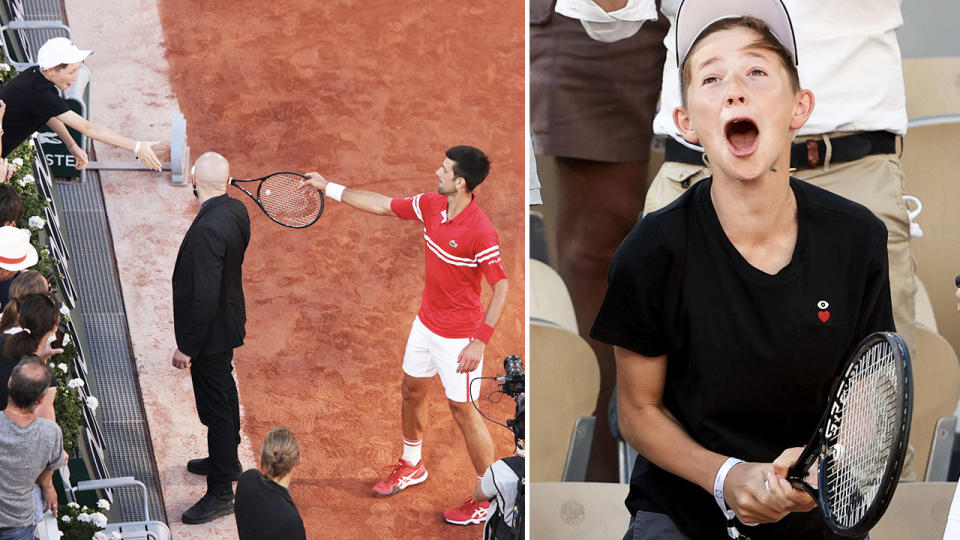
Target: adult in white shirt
{"x":591,"y":110}
{"x":850,"y":59}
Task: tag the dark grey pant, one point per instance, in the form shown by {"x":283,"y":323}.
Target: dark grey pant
{"x":653,"y":526}
{"x":219,"y":409}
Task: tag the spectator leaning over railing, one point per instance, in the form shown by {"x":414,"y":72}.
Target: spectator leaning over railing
{"x":33,"y":100}
{"x":31,"y":448}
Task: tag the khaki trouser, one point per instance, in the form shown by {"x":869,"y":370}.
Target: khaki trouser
{"x":874,"y":181}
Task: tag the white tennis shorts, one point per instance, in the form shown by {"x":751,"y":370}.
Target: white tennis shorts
{"x":428,"y":354}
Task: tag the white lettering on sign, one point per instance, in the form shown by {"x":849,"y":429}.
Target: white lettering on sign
{"x":60,"y":160}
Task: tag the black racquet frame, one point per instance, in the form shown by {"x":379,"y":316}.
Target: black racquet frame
{"x":235,"y":182}
{"x":820,"y":446}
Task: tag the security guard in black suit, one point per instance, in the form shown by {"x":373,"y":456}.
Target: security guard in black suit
{"x":208,"y":319}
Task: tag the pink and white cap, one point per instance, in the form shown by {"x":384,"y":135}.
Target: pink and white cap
{"x":693,"y":16}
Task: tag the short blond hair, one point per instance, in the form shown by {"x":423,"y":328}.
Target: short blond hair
{"x":280,"y":452}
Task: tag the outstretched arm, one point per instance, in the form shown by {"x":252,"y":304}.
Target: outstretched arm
{"x":143,"y":149}
{"x":78,"y":154}
{"x":367,"y":201}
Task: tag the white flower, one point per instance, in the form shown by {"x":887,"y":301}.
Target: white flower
{"x":100,"y":536}
{"x":31,"y":143}
{"x":66,"y":339}
{"x":115,"y":535}
{"x":65,"y":519}
{"x":62,"y":367}
{"x":99,"y":520}
{"x":36,"y":222}
{"x":73,"y":505}
{"x":75,"y":383}
{"x":27,"y":179}
{"x":64,"y":310}
{"x":17,"y":161}
{"x":84,"y":517}
{"x":93,"y":403}
{"x":52,"y":366}
{"x":4,"y":67}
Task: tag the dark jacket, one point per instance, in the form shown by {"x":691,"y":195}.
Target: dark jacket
{"x":208,"y":306}
{"x":265,"y":510}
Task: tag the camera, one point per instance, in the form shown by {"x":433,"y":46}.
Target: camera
{"x":512,"y":382}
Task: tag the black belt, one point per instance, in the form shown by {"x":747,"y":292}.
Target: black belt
{"x":809,"y":154}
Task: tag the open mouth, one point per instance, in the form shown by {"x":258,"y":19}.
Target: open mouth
{"x":742,"y":136}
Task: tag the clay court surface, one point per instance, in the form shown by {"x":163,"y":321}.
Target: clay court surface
{"x":371,"y":95}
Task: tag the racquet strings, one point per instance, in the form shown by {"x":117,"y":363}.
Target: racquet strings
{"x":282,"y":199}
{"x":869,"y":426}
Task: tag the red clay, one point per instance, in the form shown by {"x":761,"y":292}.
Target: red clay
{"x":370,"y":94}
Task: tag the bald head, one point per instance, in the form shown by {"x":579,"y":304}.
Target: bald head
{"x":212,"y":172}
{"x":28,"y":382}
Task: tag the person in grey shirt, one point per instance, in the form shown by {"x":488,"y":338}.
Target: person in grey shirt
{"x":31,"y":448}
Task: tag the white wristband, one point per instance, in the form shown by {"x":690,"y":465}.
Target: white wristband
{"x":335,"y":191}
{"x":136,"y":150}
{"x":718,"y":485}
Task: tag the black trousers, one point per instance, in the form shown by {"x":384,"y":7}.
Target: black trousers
{"x":219,"y":408}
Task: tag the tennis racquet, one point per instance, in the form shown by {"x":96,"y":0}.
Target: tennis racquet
{"x":862,"y":438}
{"x":282,"y":199}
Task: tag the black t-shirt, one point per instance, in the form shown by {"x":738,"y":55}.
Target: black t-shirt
{"x":750,"y":356}
{"x":264,"y":509}
{"x":31,"y":101}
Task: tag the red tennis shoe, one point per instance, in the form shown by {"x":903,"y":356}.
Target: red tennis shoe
{"x":402,"y":477}
{"x":468,"y":513}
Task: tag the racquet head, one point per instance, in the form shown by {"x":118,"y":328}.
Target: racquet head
{"x":864,"y":435}
{"x":283,"y":200}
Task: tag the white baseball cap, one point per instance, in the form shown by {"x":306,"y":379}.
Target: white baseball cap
{"x":693,"y":16}
{"x":59,"y":50}
{"x":16,"y":251}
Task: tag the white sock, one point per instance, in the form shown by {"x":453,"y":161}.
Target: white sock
{"x":411,"y":451}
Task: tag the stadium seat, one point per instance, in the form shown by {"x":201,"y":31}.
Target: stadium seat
{"x":930,"y":173}
{"x":577,"y":510}
{"x":936,"y":384}
{"x":147,"y":529}
{"x":549,"y":298}
{"x":565,"y":387}
{"x":918,"y":510}
{"x":933,"y":106}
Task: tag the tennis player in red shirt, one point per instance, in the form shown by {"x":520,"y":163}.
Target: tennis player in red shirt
{"x":452,"y":328}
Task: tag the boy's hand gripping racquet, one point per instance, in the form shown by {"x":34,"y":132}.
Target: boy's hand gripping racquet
{"x":862,"y":438}
{"x":282,"y":199}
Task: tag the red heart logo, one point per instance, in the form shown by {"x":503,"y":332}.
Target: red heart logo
{"x":823,"y":315}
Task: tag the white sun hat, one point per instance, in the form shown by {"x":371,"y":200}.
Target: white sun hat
{"x":16,"y":251}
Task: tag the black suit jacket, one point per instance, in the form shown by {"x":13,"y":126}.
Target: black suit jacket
{"x":208,"y":307}
{"x":265,"y":511}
